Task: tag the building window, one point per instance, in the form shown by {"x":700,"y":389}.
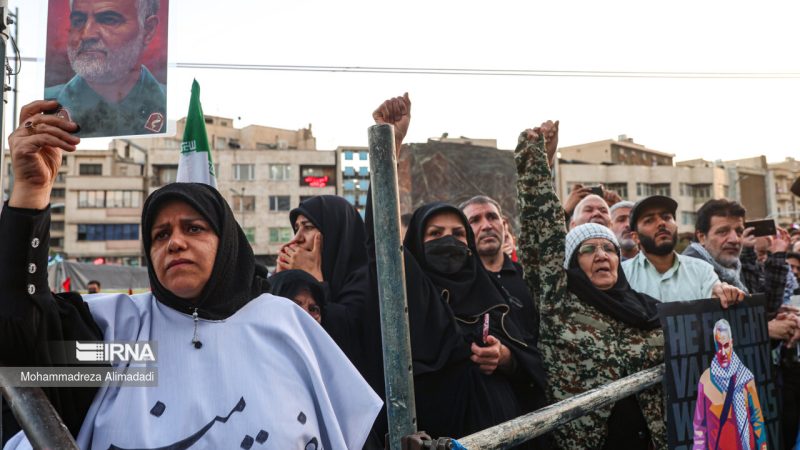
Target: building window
{"x":108,"y":232}
{"x":688,"y":217}
{"x":90,"y":169}
{"x":91,"y":199}
{"x":57,"y":225}
{"x":123,"y":199}
{"x":244,"y":172}
{"x":349,"y":185}
{"x":362,"y":156}
{"x":349,"y":171}
{"x":63,"y":160}
{"x":306,"y":197}
{"x":165,"y":174}
{"x":56,"y":242}
{"x":58,"y":192}
{"x":280,"y":172}
{"x":363,"y":171}
{"x":620,"y":188}
{"x":279,"y":203}
{"x":244,"y":202}
{"x":60,"y":177}
{"x":250,"y":234}
{"x":109,"y":199}
{"x":348,"y":156}
{"x":219,"y":143}
{"x":646,"y":189}
{"x":57,"y":209}
{"x":700,"y":192}
{"x":265,"y":146}
{"x":280,"y":235}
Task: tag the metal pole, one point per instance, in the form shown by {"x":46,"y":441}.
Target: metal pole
{"x":397,"y":368}
{"x":537,"y":423}
{"x":38,"y":418}
{"x":3,"y":38}
{"x":15,"y":92}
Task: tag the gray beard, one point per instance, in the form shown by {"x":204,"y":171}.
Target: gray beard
{"x":114,"y":67}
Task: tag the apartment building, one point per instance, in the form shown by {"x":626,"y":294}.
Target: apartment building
{"x":622,"y":151}
{"x":787,"y":205}
{"x":262,"y":172}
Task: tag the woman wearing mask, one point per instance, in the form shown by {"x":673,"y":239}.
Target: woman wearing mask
{"x":463,"y":382}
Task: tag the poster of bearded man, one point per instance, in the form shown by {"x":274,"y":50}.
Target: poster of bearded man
{"x":728,"y":413}
{"x":106,"y":65}
{"x":720,"y":384}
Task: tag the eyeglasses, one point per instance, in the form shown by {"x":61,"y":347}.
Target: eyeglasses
{"x":589,"y":249}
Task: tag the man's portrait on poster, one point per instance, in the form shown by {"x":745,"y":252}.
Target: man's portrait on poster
{"x":107,"y":64}
{"x":728,"y":413}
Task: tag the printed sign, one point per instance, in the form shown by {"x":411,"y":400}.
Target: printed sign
{"x":719,"y":380}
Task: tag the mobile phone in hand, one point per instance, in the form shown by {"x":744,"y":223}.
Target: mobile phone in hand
{"x":482,"y":342}
{"x":597,"y":190}
{"x":763,"y":227}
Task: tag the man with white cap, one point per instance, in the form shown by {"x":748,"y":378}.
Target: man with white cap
{"x":658,"y":270}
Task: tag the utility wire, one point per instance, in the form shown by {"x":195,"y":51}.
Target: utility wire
{"x":480,"y":72}
{"x":489,"y":72}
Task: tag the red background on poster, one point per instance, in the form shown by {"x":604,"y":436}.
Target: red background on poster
{"x":57,"y":67}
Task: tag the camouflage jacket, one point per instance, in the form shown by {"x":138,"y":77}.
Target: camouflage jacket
{"x":582,"y":348}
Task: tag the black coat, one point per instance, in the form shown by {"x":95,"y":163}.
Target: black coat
{"x":453,"y":398}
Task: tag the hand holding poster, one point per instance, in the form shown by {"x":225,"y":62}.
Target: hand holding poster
{"x":107,"y":64}
{"x":719,"y":379}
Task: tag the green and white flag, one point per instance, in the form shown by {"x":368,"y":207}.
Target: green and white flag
{"x":196,"y":165}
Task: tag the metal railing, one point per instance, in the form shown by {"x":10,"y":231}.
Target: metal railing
{"x":539,"y":422}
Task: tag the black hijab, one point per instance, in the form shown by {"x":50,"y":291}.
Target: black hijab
{"x":235,"y":278}
{"x":344,"y":248}
{"x":289,"y":282}
{"x":620,"y":301}
{"x":471,"y":290}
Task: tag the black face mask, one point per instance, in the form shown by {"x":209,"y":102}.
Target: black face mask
{"x":446,"y":255}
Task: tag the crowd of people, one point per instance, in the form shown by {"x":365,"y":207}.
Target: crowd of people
{"x":499,"y":325}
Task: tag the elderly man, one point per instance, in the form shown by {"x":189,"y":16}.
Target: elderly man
{"x":485,"y":217}
{"x":723,"y":242}
{"x":621,"y":226}
{"x":591,"y":209}
{"x":112,"y":93}
{"x":658,"y":270}
{"x":721,"y":422}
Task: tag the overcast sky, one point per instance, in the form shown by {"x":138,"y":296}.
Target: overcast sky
{"x":716,"y":118}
